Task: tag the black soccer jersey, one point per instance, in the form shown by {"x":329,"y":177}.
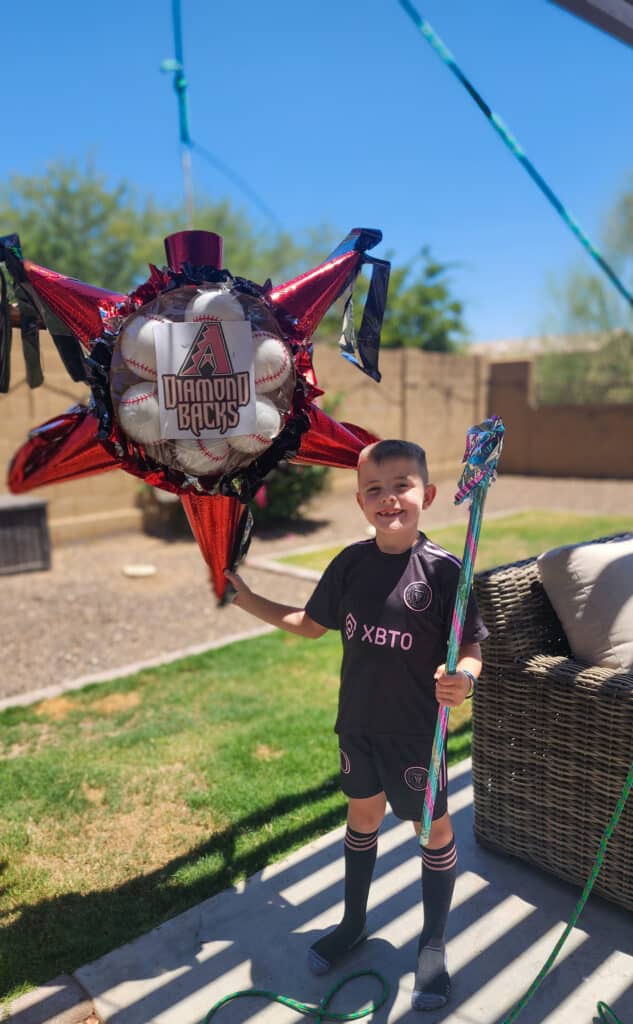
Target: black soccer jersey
{"x":394,"y":613}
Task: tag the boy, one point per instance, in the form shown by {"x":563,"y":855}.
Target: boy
{"x":392,"y":599}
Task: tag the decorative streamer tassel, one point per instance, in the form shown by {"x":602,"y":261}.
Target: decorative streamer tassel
{"x":483,"y":448}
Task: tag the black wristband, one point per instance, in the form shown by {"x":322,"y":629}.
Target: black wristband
{"x":472,"y":680}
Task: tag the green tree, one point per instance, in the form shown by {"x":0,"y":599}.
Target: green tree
{"x":72,"y":220}
{"x":619,"y":232}
{"x":593,"y":377}
{"x":598,"y":321}
{"x":586,"y":300}
{"x":421,"y":310}
{"x":259,"y":255}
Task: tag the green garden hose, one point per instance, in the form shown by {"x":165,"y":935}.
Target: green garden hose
{"x":320,"y":1013}
{"x":606,"y":1015}
{"x":626,"y":789}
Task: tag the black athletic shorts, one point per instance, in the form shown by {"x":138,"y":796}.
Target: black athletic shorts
{"x":395,"y":765}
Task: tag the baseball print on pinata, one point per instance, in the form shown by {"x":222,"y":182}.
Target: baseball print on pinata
{"x":197,"y":380}
{"x":201,"y":381}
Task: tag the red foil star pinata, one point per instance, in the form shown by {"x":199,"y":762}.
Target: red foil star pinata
{"x":201,"y":382}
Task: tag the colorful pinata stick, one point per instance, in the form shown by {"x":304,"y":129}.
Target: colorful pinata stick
{"x":483,"y":448}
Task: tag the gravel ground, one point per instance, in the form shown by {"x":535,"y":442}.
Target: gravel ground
{"x":86,"y":618}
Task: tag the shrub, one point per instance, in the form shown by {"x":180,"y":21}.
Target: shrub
{"x":604,"y":375}
{"x":285,"y":490}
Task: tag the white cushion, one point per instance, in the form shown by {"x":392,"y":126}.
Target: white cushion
{"x":590,"y":587}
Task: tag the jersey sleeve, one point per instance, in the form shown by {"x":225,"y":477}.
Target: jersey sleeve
{"x":323,"y":605}
{"x":474,"y":626}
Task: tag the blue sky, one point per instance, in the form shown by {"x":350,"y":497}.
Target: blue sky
{"x":338,"y":112}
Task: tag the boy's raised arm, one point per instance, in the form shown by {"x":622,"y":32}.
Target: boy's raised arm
{"x":293,"y":620}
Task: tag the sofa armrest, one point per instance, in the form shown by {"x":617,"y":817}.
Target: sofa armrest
{"x":590,"y":680}
{"x":518,"y":613}
{"x":554,"y":716}
{"x":557,"y":700}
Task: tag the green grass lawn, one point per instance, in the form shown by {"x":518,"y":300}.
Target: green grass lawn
{"x":506,"y":539}
{"x":125,"y":803}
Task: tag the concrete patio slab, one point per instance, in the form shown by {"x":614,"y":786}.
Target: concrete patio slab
{"x":505,"y":920}
{"x":61,"y":1001}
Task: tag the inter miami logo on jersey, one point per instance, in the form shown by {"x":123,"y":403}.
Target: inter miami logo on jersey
{"x":207,"y":393}
{"x":415,"y":778}
{"x":417,"y":596}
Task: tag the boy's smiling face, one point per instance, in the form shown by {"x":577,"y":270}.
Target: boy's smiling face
{"x":392,"y":495}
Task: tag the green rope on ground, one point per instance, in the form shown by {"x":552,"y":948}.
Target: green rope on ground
{"x":626,"y":789}
{"x":320,"y":1012}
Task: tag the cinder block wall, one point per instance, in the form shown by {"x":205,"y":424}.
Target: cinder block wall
{"x":559,"y":440}
{"x":431,"y":398}
{"x":92,"y":506}
{"x":428,"y":397}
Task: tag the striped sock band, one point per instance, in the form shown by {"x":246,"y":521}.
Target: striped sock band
{"x":440,"y":860}
{"x":359,"y":841}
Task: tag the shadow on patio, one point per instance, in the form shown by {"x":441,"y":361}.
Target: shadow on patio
{"x":505,"y":920}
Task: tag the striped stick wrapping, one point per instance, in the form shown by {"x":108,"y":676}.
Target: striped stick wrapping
{"x":483,"y":447}
{"x":457,"y":627}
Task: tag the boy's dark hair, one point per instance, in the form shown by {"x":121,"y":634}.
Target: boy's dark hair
{"x":396,"y":449}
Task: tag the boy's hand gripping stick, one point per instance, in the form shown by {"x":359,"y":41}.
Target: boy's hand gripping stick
{"x":483,"y":448}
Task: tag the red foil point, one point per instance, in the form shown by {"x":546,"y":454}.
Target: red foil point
{"x":308,"y":297}
{"x":216,"y":523}
{"x":330,"y":443}
{"x":64,"y":448}
{"x":200,"y":248}
{"x":80,"y":306}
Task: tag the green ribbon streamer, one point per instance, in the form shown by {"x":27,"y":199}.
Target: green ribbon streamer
{"x":513,"y":145}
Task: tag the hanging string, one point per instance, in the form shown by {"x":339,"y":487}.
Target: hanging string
{"x":444,"y":53}
{"x":176,"y":66}
{"x":237,"y":181}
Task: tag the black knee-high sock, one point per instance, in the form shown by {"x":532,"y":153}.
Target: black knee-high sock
{"x":439,"y":870}
{"x":360,"y":858}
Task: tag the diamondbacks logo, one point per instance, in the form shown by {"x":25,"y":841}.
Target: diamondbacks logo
{"x":415,"y":778}
{"x":417,"y":596}
{"x":208,"y":355}
{"x":206,"y":393}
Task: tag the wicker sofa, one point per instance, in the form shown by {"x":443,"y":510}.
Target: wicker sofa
{"x":552,"y":740}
